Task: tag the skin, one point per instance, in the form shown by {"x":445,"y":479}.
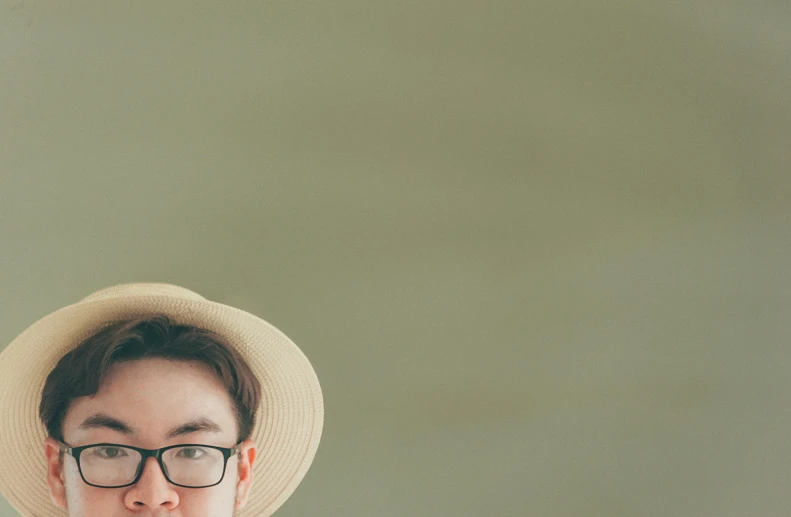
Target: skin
{"x":152,"y":397}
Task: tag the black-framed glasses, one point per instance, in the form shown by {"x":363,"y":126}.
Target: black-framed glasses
{"x":189,"y":465}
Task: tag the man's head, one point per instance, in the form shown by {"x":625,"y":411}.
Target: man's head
{"x":148,"y":383}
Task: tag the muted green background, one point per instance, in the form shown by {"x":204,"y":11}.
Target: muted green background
{"x":538,"y":252}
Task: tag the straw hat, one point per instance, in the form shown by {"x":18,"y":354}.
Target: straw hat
{"x":289,"y":421}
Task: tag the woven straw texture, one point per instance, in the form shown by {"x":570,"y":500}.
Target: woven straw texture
{"x":289,"y":420}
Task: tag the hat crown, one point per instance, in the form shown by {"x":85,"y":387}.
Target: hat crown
{"x":142,"y":289}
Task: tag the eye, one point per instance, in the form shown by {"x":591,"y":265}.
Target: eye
{"x":191,"y":453}
{"x":109,"y":452}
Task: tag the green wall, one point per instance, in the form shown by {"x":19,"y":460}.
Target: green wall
{"x":538,"y":252}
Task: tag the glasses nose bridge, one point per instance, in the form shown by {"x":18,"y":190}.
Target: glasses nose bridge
{"x":157,"y":455}
{"x":151,"y":453}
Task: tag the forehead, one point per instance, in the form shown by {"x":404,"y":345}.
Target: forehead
{"x":153,"y":396}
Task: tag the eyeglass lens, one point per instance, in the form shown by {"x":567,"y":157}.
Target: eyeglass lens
{"x":190,"y":466}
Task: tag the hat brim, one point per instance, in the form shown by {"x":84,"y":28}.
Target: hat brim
{"x":288,"y":422}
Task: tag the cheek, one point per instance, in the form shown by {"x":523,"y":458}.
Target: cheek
{"x":218,"y":500}
{"x":73,"y":484}
{"x":88,"y":501}
{"x":220,"y":496}
{"x":214,"y":502}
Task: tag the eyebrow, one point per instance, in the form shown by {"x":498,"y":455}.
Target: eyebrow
{"x":104,"y":421}
{"x":101,"y":420}
{"x":193,"y":426}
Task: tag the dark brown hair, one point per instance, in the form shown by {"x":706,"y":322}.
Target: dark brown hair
{"x":81,"y":372}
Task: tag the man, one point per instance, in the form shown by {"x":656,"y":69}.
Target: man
{"x":149,"y":400}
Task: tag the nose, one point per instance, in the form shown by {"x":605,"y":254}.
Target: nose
{"x":152,"y":491}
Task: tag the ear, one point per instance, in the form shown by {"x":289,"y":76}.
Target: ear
{"x":245,"y":472}
{"x":57,"y":490}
